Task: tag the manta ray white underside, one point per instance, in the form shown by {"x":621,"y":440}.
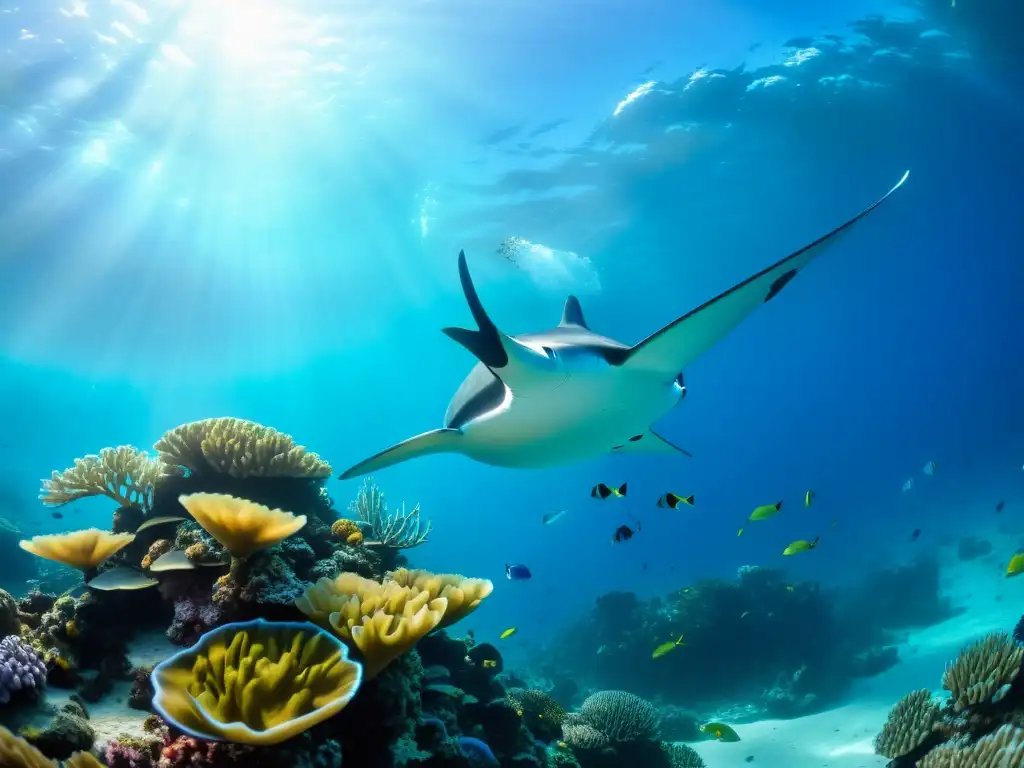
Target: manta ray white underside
{"x":566,"y":394}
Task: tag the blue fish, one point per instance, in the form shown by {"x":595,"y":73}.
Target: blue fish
{"x":553,"y":517}
{"x":518,"y":572}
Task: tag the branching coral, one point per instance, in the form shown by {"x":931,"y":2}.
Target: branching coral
{"x":1002,"y":749}
{"x":241,"y":526}
{"x":83,"y":549}
{"x":384,"y":621}
{"x":239,"y":448}
{"x":464,"y":595}
{"x":621,"y":716}
{"x":681,"y":756}
{"x":399,"y":530}
{"x":576,"y":732}
{"x":910,"y":722}
{"x":256,"y":682}
{"x":982,"y":669}
{"x":125,"y":474}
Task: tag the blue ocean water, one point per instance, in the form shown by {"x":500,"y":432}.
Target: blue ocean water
{"x":254,"y":209}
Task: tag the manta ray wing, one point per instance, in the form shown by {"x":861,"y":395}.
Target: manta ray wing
{"x":434,"y":441}
{"x":682,"y":341}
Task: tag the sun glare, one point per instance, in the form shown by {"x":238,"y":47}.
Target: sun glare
{"x":242,"y":32}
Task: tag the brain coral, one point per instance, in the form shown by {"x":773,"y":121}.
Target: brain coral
{"x":909,"y":723}
{"x":256,"y":682}
{"x":620,"y":716}
{"x":982,"y":669}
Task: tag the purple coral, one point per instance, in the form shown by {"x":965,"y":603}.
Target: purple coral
{"x":119,"y":755}
{"x":20,"y":668}
{"x":193,"y":617}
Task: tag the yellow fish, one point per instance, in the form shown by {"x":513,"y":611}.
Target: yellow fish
{"x":720,"y":731}
{"x":765,"y":511}
{"x":664,"y":648}
{"x":1016,"y":566}
{"x":800,"y":546}
{"x":808,"y":498}
{"x":790,"y":587}
{"x":739,"y":532}
{"x":490,"y":663}
{"x":508,"y":633}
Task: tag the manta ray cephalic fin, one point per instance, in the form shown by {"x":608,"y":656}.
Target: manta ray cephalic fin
{"x":650,"y":442}
{"x":434,"y":441}
{"x":682,"y":341}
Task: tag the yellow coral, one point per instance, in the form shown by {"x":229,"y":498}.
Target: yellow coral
{"x":344,"y":528}
{"x":356,"y":537}
{"x":83,"y":549}
{"x":241,"y":526}
{"x":125,"y":474}
{"x":384,"y":621}
{"x":197,"y":551}
{"x":256,"y":682}
{"x":156,"y":549}
{"x":982,"y":669}
{"x":239,"y":448}
{"x":463,"y":594}
{"x":71,"y":629}
{"x":18,"y":753}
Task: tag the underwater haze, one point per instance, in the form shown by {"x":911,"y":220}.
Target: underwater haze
{"x":216,"y":208}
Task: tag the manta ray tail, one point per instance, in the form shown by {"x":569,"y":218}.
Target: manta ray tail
{"x":486,"y":343}
{"x":434,"y":441}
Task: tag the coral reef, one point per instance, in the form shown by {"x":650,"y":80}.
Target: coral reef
{"x":84,"y":549}
{"x":809,"y":650}
{"x":620,"y":716}
{"x":980,"y":723}
{"x":18,"y":753}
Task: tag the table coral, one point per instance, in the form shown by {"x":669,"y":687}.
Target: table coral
{"x":238,"y":448}
{"x":256,"y":682}
{"x":241,"y":526}
{"x":125,"y":474}
{"x":84,"y":549}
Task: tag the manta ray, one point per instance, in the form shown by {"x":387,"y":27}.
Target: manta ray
{"x":568,"y":394}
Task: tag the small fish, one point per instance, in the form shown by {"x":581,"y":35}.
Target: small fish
{"x":801,"y":545}
{"x":489,"y":663}
{"x":809,"y":498}
{"x":916,"y":534}
{"x":602,"y":491}
{"x":930,"y":468}
{"x":517,"y":572}
{"x":1000,"y":506}
{"x":739,"y":532}
{"x":765,"y":511}
{"x":790,"y":588}
{"x":908,"y":486}
{"x":719,"y":731}
{"x":664,"y":648}
{"x":553,"y":517}
{"x":1016,"y":566}
{"x":508,"y":633}
{"x":744,"y":614}
{"x":57,"y":515}
{"x":622,"y":533}
{"x":673,"y":501}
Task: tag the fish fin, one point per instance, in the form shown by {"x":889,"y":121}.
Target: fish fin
{"x":511,"y":361}
{"x":650,"y":442}
{"x":573,"y":313}
{"x":689,"y":500}
{"x":622,"y":489}
{"x":682,"y":341}
{"x":434,"y":441}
